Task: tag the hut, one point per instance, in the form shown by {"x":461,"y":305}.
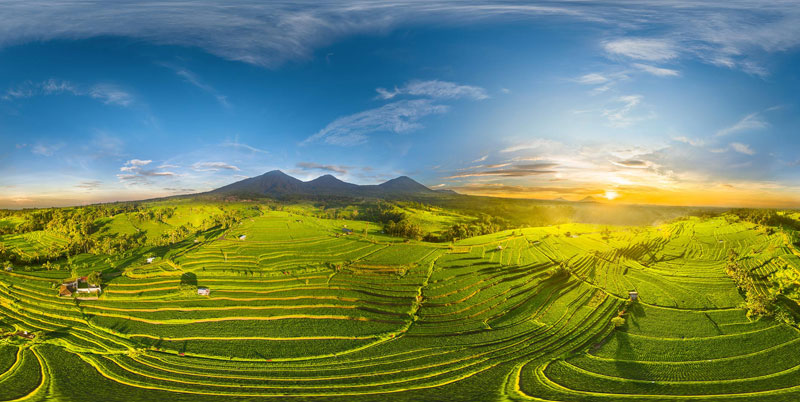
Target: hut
{"x":64,"y":291}
{"x":203,"y":291}
{"x":9,"y":268}
{"x":499,"y":248}
{"x":242,"y":237}
{"x":150,"y":260}
{"x":634,"y":295}
{"x":347,"y":231}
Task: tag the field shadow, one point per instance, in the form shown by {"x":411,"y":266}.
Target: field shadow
{"x":188,"y":279}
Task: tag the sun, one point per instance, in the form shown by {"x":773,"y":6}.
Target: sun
{"x":611,"y":194}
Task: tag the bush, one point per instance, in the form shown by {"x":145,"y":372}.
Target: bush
{"x":618,"y":321}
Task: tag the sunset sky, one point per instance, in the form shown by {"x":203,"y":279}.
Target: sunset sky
{"x":665,"y":102}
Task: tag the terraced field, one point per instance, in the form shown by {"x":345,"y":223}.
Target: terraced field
{"x":299,"y":311}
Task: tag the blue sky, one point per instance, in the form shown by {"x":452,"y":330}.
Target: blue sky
{"x":667,"y":102}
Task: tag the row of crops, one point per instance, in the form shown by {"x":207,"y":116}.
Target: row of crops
{"x":299,"y":310}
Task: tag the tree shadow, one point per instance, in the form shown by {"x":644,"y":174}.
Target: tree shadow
{"x":188,"y":279}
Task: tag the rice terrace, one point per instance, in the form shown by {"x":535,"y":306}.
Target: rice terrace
{"x":399,"y":200}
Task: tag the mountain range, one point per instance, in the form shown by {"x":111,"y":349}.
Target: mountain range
{"x":277,"y":183}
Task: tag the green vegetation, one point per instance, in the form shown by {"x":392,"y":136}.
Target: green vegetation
{"x":459,"y":304}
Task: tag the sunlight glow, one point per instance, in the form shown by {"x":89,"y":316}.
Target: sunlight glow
{"x":611,"y":194}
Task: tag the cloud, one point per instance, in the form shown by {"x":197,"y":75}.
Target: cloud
{"x":752,"y":121}
{"x":632,"y":163}
{"x":481,"y":159}
{"x":193,"y":79}
{"x":46,"y":149}
{"x":535,"y":144}
{"x":693,"y":142}
{"x":135,"y":173}
{"x":729,"y":34}
{"x":110,"y":95}
{"x":742,"y":148}
{"x":532,"y":169}
{"x":107,"y":93}
{"x":327,"y":168}
{"x":657,"y":71}
{"x":622,"y":115}
{"x":592,"y":79}
{"x":89,"y":185}
{"x":649,"y":49}
{"x":435,"y":89}
{"x":397,"y":117}
{"x":138,"y":162}
{"x":236,"y":144}
{"x":213,"y":166}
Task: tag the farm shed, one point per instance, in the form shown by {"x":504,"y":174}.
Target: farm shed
{"x":9,"y":269}
{"x":634,"y":295}
{"x":347,"y":231}
{"x":499,"y":248}
{"x":64,"y":291}
{"x":242,"y":237}
{"x":150,"y":260}
{"x":204,"y":291}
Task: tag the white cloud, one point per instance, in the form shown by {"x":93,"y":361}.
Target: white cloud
{"x":213,"y":166}
{"x":138,"y":162}
{"x":742,"y":148}
{"x":236,"y":144}
{"x":398,"y":117}
{"x":691,"y":141}
{"x":752,"y":121}
{"x":481,"y":159}
{"x":106,"y":93}
{"x":435,"y":89}
{"x":110,"y":94}
{"x":649,"y":49}
{"x":622,"y":115}
{"x":534,"y":144}
{"x":657,"y":71}
{"x":592,"y":79}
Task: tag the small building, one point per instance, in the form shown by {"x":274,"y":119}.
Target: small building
{"x":242,"y":237}
{"x":634,"y":295}
{"x":203,"y":291}
{"x":499,"y":248}
{"x":64,"y":291}
{"x":150,"y":260}
{"x":347,"y":231}
{"x":9,"y":268}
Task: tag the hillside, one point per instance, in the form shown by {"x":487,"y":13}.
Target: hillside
{"x":298,"y":309}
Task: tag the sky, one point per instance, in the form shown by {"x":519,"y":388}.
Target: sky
{"x":667,"y":102}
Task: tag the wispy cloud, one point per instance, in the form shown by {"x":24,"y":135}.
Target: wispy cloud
{"x":238,"y":145}
{"x":752,"y":121}
{"x":691,"y":141}
{"x":397,"y":117}
{"x":534,"y":144}
{"x":195,"y":80}
{"x":481,"y":159}
{"x":592,"y":79}
{"x":649,"y":49}
{"x":435,"y":89}
{"x":742,"y":148}
{"x":622,"y":114}
{"x":43,"y":149}
{"x":89,"y":185}
{"x":325,"y":168}
{"x":106,"y":93}
{"x":134,"y":172}
{"x":657,"y":71}
{"x":213,"y":166}
{"x":522,"y":170}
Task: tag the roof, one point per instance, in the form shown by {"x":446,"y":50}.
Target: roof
{"x":64,"y":291}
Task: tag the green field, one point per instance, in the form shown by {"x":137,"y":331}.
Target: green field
{"x":300,"y":311}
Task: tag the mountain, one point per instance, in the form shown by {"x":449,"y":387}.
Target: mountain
{"x":274,"y":182}
{"x":560,"y":199}
{"x":588,"y":198}
{"x":277,"y":183}
{"x":403,"y":184}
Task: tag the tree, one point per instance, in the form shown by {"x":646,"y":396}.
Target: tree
{"x":95,"y":278}
{"x":618,"y":321}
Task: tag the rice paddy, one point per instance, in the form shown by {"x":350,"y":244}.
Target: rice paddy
{"x":299,"y":310}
